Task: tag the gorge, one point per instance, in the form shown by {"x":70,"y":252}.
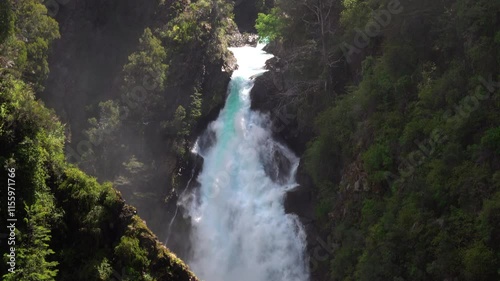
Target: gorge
{"x":153,"y":141}
{"x":240,"y":229}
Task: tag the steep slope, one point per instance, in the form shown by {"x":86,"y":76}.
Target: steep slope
{"x":403,"y":158}
{"x":134,"y":93}
{"x":65,"y":219}
{"x":65,"y":225}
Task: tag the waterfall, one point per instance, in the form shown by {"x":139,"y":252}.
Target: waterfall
{"x":240,"y":230}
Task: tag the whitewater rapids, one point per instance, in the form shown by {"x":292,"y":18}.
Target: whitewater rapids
{"x":240,"y":231}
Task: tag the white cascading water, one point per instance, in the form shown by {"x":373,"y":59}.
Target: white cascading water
{"x":240,"y":230}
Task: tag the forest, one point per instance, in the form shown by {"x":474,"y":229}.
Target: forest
{"x":404,"y":153}
{"x":392,"y":107}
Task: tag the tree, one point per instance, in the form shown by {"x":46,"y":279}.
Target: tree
{"x":34,"y":254}
{"x":323,"y":21}
{"x":103,"y":135}
{"x":131,"y":253}
{"x":6,"y":20}
{"x":479,"y":263}
{"x":144,"y":78}
{"x":195,"y":108}
{"x":269,"y":26}
{"x":36,"y":30}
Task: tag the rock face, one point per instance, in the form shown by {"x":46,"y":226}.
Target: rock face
{"x":164,"y":264}
{"x":264,"y":93}
{"x":86,"y":66}
{"x":300,"y":200}
{"x":269,"y":95}
{"x":238,"y":39}
{"x":277,"y":166}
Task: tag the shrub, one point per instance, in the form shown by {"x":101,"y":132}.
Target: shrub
{"x":269,"y":26}
{"x":491,"y":140}
{"x":131,"y":254}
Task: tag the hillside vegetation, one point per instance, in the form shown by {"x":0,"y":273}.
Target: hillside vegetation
{"x":404,"y":154}
{"x":134,"y":93}
{"x":69,"y":226}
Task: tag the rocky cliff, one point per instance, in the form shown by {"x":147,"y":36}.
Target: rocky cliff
{"x":87,"y":68}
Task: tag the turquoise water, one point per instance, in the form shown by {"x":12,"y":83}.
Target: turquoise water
{"x":240,"y":229}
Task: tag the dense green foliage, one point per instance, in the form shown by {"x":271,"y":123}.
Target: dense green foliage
{"x":69,"y":226}
{"x":193,"y":38}
{"x":405,"y":156}
{"x":69,"y":220}
{"x":269,"y":26}
{"x":6,"y":20}
{"x":27,"y":48}
{"x":29,"y":149}
{"x":140,"y":138}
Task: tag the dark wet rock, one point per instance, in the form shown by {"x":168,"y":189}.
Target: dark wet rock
{"x":300,"y":200}
{"x":251,"y":39}
{"x":277,"y":166}
{"x":206,"y":140}
{"x":267,"y":97}
{"x":246,"y":39}
{"x":231,"y":65}
{"x":264,"y":93}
